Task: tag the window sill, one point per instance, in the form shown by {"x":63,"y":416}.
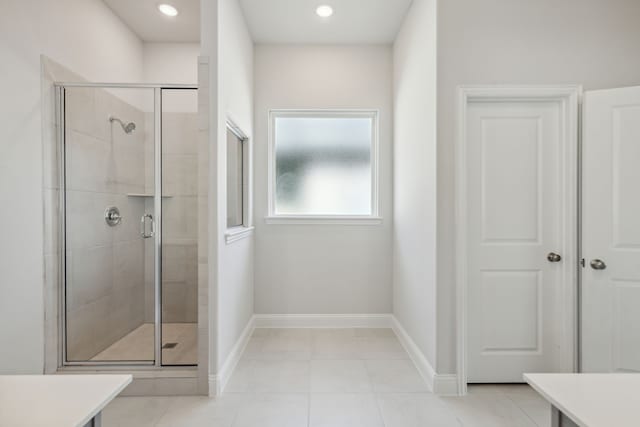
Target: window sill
{"x":323,"y":220}
{"x":237,"y":233}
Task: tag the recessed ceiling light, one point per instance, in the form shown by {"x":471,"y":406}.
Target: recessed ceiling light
{"x":324,"y":11}
{"x":168,"y":10}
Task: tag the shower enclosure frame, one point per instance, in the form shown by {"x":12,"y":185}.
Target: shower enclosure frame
{"x":157,"y":203}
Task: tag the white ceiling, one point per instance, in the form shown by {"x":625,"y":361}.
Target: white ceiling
{"x":353,"y":21}
{"x":143,"y":17}
{"x":273,"y":21}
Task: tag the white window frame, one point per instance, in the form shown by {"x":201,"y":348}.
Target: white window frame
{"x":233,"y":234}
{"x":373,"y":218}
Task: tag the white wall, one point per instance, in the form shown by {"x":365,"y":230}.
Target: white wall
{"x":92,"y":42}
{"x":171,"y":62}
{"x":175,"y":63}
{"x":592,"y":42}
{"x":414,"y":173}
{"x":236,"y":260}
{"x":322,"y":268}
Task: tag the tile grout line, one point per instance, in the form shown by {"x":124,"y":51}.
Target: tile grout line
{"x":377,"y":403}
{"x":309,"y":392}
{"x":164,"y":412}
{"x":237,"y":411}
{"x":374,"y":394}
{"x":309,"y":402}
{"x":522,"y":410}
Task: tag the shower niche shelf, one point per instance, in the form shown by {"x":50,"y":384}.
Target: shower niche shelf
{"x":164,"y":196}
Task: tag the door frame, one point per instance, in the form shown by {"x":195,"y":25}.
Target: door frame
{"x":568,"y":96}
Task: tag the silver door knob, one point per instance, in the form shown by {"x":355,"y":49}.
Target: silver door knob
{"x":598,"y":264}
{"x":554,"y":257}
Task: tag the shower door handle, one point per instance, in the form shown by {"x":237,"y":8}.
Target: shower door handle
{"x":143,"y":226}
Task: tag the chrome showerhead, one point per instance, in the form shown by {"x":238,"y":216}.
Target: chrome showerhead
{"x":130,"y":127}
{"x":126,"y":127}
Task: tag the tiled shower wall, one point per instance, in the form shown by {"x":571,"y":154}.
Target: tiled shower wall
{"x":105,"y":265}
{"x":180,"y":218}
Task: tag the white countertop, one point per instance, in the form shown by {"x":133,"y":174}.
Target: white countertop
{"x":592,"y":400}
{"x":56,"y":400}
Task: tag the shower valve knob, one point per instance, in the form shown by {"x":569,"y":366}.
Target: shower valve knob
{"x":112,"y":216}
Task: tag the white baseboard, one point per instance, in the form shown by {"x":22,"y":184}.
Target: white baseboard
{"x":322,"y":320}
{"x":440,"y":384}
{"x":219,"y":382}
{"x":213,"y":386}
{"x":445,"y":385}
{"x":418,"y":358}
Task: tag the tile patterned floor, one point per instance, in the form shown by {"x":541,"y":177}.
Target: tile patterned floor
{"x":138,"y":345}
{"x":332,"y":378}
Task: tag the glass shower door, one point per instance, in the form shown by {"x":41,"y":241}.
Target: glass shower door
{"x":179,"y":226}
{"x":109,"y":209}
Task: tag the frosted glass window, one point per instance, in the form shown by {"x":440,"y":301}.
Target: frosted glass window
{"x":323,"y":164}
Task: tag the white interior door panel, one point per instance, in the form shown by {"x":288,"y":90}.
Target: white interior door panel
{"x":611,"y":231}
{"x":516,"y":238}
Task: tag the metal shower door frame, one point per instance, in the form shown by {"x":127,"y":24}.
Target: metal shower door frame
{"x":157,"y":203}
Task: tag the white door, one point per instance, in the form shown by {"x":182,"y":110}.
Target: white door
{"x":520,"y":197}
{"x":611,"y":231}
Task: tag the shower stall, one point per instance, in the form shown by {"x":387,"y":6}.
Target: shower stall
{"x":128,"y":160}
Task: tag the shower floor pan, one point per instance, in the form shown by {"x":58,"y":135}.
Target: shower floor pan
{"x":138,"y":345}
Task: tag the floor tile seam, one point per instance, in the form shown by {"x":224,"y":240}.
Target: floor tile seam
{"x":309,"y":409}
{"x":439,"y":403}
{"x":237,"y":411}
{"x":322,"y":358}
{"x":359,"y":393}
{"x":251,"y":395}
{"x":453,"y":412}
{"x":372,"y":392}
{"x":502,"y":394}
{"x":379,"y":408}
{"x":164,"y":410}
{"x":521,"y":409}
